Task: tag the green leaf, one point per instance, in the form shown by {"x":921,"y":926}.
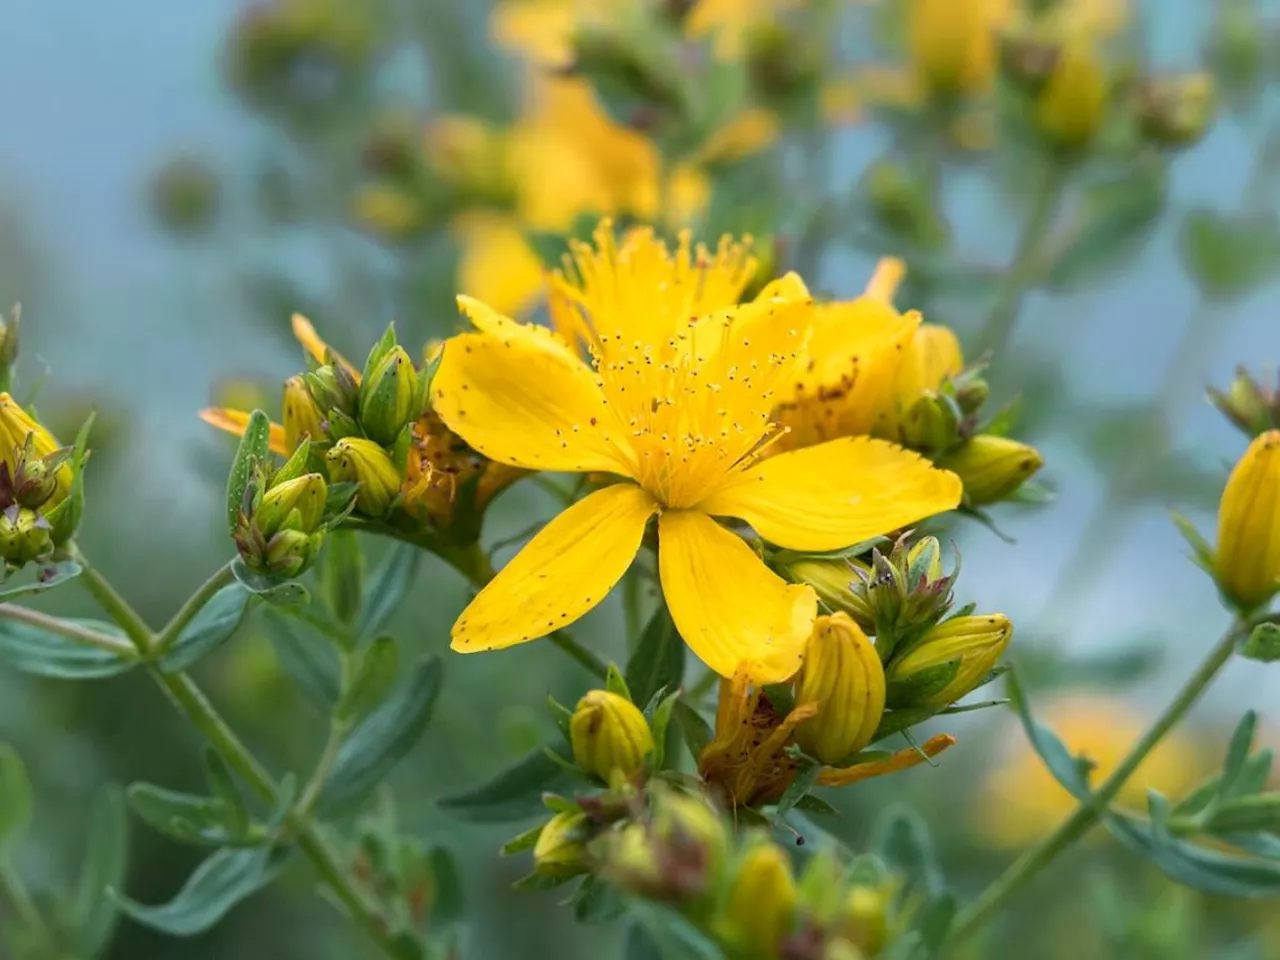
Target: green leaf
{"x":614,"y":683}
{"x":383,"y":739}
{"x":46,"y":579}
{"x":901,"y":838}
{"x":639,"y":945}
{"x":93,"y":912}
{"x":697,"y":733}
{"x":388,"y":586}
{"x":1230,"y":255}
{"x":1263,"y":643}
{"x":254,"y":449}
{"x":513,"y":794}
{"x":224,"y":880}
{"x":449,"y":904}
{"x":661,"y":724}
{"x":598,"y":902}
{"x":1068,"y":770}
{"x":281,"y":593}
{"x":15,"y":796}
{"x":658,"y":660}
{"x":342,"y":574}
{"x":1233,"y":768}
{"x":223,"y":784}
{"x":185,"y":817}
{"x":800,"y":786}
{"x":309,"y":661}
{"x":376,"y":672}
{"x":672,"y":936}
{"x":522,"y":841}
{"x":814,"y":804}
{"x":45,"y":653}
{"x":209,"y":629}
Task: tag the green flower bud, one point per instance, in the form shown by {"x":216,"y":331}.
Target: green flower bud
{"x":302,"y":415}
{"x":932,"y":424}
{"x":842,"y":674}
{"x":630,"y":859}
{"x":1252,"y":406}
{"x":760,"y":908}
{"x":38,"y":480}
{"x":949,"y":661}
{"x":832,"y":580}
{"x":25,"y":537}
{"x":610,"y":736}
{"x":355,"y":459}
{"x":291,"y":552}
{"x":992,"y":467}
{"x":1176,"y":111}
{"x":295,"y":505}
{"x":333,"y":388}
{"x":561,"y":848}
{"x":694,"y":836}
{"x":387,"y":397}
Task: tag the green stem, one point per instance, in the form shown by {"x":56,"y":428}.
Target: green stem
{"x":14,"y":892}
{"x":1086,"y":815}
{"x":73,"y":631}
{"x":1023,"y":270}
{"x":311,"y":792}
{"x":114,"y":605}
{"x":195,"y":603}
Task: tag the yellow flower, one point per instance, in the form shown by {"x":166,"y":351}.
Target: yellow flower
{"x":1248,"y":556}
{"x":952,"y":44}
{"x":1021,"y":801}
{"x":747,"y":764}
{"x":677,"y":402}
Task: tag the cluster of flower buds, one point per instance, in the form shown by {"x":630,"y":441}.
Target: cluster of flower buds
{"x":1251,"y":405}
{"x":40,"y":499}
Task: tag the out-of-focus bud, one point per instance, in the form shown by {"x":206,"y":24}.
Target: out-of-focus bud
{"x":629,"y":57}
{"x":610,"y":736}
{"x":760,"y":908}
{"x":561,"y":848}
{"x":387,"y":397}
{"x":388,"y":210}
{"x":471,"y":155}
{"x":931,"y":425}
{"x":1252,"y":406}
{"x":393,"y":149}
{"x":1176,"y":111}
{"x":782,"y":61}
{"x":949,"y":661}
{"x":302,"y":416}
{"x":25,"y":537}
{"x":971,"y":391}
{"x":693,"y":835}
{"x":991,"y":467}
{"x":1238,"y":48}
{"x":355,"y":459}
{"x":903,"y":202}
{"x":1028,"y":56}
{"x":1071,"y":108}
{"x":185,"y":196}
{"x":629,"y":857}
{"x":9,"y":346}
{"x":831,"y":579}
{"x":843,"y":675}
{"x":296,"y":504}
{"x":902,"y":593}
{"x":1247,"y":562}
{"x":952,"y":45}
{"x":865,"y":919}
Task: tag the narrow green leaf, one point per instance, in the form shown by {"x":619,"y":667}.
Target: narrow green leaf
{"x":15,"y":796}
{"x":1263,"y":644}
{"x":224,"y":880}
{"x":813,"y":804}
{"x":253,"y":450}
{"x":383,"y":739}
{"x":309,"y":660}
{"x":697,"y":733}
{"x":209,"y":629}
{"x":538,"y":882}
{"x":388,"y":586}
{"x":614,"y":683}
{"x":183,"y":816}
{"x":449,"y":903}
{"x":47,"y":578}
{"x":223,"y":784}
{"x":661,"y":724}
{"x":45,"y":653}
{"x":659,"y":658}
{"x":801,"y":785}
{"x":513,"y":794}
{"x":597,"y":902}
{"x":1237,"y":754}
{"x":342,"y":573}
{"x":522,"y":841}
{"x":93,"y":912}
{"x":374,"y":676}
{"x":901,"y":838}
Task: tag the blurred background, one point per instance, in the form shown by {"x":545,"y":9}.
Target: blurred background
{"x":178,"y":178}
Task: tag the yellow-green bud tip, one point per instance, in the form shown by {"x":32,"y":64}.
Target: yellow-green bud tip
{"x":842,"y":674}
{"x":992,"y":467}
{"x":949,"y":661}
{"x":561,"y":849}
{"x":610,"y":736}
{"x":363,"y":461}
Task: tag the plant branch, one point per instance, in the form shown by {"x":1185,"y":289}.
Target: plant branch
{"x":73,"y":631}
{"x":114,"y":605}
{"x":195,"y":603}
{"x":1086,"y":815}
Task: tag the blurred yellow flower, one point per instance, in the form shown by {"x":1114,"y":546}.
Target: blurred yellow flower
{"x":1020,"y":800}
{"x":729,"y":23}
{"x":496,"y":261}
{"x":952,"y":44}
{"x":677,"y":401}
{"x":1071,"y":108}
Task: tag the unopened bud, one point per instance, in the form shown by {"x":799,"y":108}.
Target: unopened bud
{"x":332,"y":387}
{"x":388,"y":211}
{"x":931,"y":425}
{"x":295,"y":505}
{"x":387,"y":397}
{"x":760,"y":909}
{"x":1176,"y":111}
{"x":610,"y":736}
{"x":364,"y":462}
{"x":902,"y":201}
{"x":561,"y":848}
{"x":948,"y":662}
{"x":42,"y":482}
{"x":902,"y":593}
{"x":992,"y":467}
{"x":630,"y":859}
{"x":1072,"y":106}
{"x":971,"y":392}
{"x":832,"y":580}
{"x":302,"y":416}
{"x":290,"y":552}
{"x":1247,"y":563}
{"x":865,"y":920}
{"x":952,"y":45}
{"x":1251,"y":406}
{"x":694,"y":836}
{"x":1028,"y":57}
{"x":25,"y":536}
{"x":842,"y":674}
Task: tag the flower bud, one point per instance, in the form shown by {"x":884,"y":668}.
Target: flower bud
{"x":364,"y":462}
{"x":865,"y":920}
{"x":901,"y":594}
{"x":387,"y":397}
{"x":842,"y":674}
{"x":25,"y":537}
{"x":1072,"y":106}
{"x":931,"y":424}
{"x":991,"y":467}
{"x":832,"y":580}
{"x":333,"y":388}
{"x":762,"y":900}
{"x":1176,"y":111}
{"x":38,"y":480}
{"x":24,"y":441}
{"x":1028,"y":56}
{"x":290,"y":552}
{"x":932,"y":356}
{"x":949,"y":661}
{"x":610,"y":736}
{"x":1247,"y":563}
{"x":302,"y":415}
{"x":952,"y":45}
{"x":561,"y":849}
{"x":971,"y":391}
{"x":693,"y":834}
{"x":1251,"y":406}
{"x":295,"y":504}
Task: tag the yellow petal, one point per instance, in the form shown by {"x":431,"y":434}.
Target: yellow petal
{"x":886,"y":279}
{"x":931,"y":357}
{"x":902,"y":760}
{"x":497,"y":265}
{"x":836,"y":494}
{"x":235,"y":421}
{"x":560,"y":574}
{"x":305,"y":332}
{"x":518,"y":396}
{"x":729,"y":607}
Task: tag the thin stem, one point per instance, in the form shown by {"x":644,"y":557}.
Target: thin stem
{"x":195,"y":603}
{"x":1086,"y":815}
{"x":14,"y":892}
{"x":114,"y":605}
{"x":311,"y":792}
{"x":1022,"y":272}
{"x":73,"y":631}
